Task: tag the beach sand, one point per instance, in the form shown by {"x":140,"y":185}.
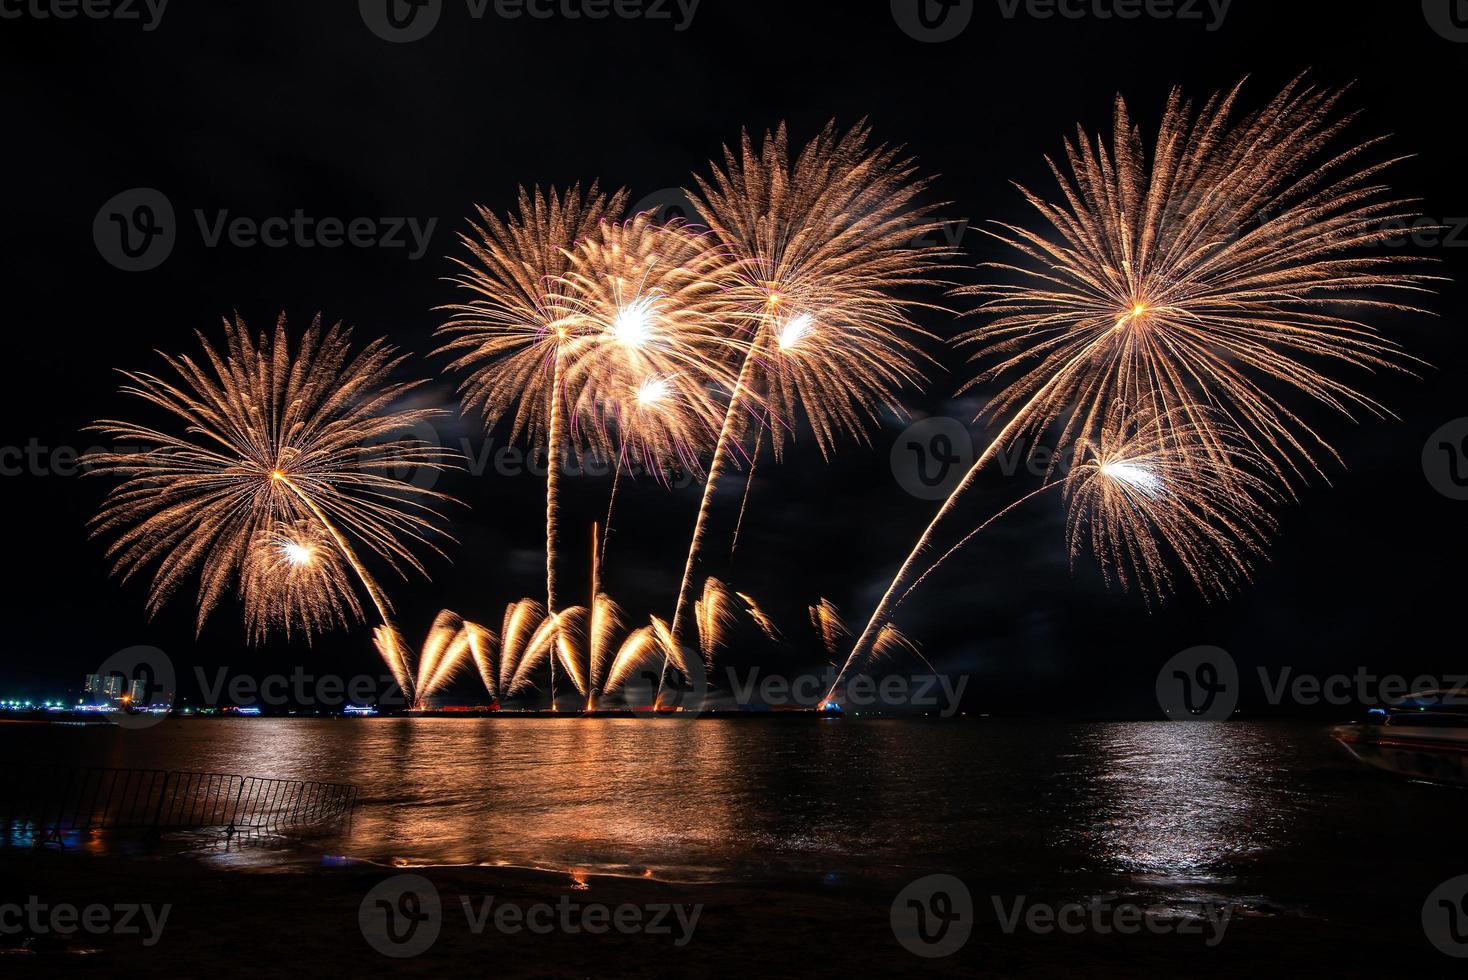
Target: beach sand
{"x":305,"y":922}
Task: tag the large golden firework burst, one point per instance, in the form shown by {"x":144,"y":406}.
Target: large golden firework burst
{"x":1232,"y":266}
{"x":652,"y":313}
{"x":832,"y":242}
{"x":265,"y":440}
{"x":1198,"y":288}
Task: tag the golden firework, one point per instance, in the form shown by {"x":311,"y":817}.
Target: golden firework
{"x":294,"y":578}
{"x":444,"y":653}
{"x":1231,"y":268}
{"x":830,"y":243}
{"x":650,"y":301}
{"x":518,"y":330}
{"x":1199,"y":288}
{"x":1151,"y":495}
{"x":266,"y":439}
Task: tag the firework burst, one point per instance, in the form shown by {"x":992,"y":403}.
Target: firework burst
{"x":294,"y":578}
{"x":828,"y":243}
{"x":1151,"y":495}
{"x":516,"y":332}
{"x":1231,"y":268}
{"x":266,"y":441}
{"x":650,"y":302}
{"x":1200,"y":287}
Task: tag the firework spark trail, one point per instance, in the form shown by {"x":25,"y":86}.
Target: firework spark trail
{"x":827,"y":241}
{"x":1188,"y":287}
{"x":606,"y":620}
{"x":270,"y":437}
{"x":516,"y":333}
{"x":521,"y":621}
{"x":826,"y":619}
{"x":715,"y":616}
{"x":443,"y":654}
{"x":759,"y":440}
{"x":891,"y":641}
{"x":640,"y":649}
{"x":394,"y":652}
{"x":482,"y":645}
{"x":570,"y":639}
{"x":757,"y":614}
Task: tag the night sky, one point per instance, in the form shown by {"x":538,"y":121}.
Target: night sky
{"x":261,"y":109}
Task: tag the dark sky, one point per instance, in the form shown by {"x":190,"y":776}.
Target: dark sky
{"x":261,"y":109}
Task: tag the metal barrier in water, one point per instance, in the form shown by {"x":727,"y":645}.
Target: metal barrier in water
{"x":49,"y":803}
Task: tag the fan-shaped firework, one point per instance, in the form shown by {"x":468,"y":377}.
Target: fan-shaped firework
{"x":265,"y":438}
{"x":442,"y":656}
{"x":718,"y":612}
{"x":1200,"y":287}
{"x":829,"y":242}
{"x":294,"y":578}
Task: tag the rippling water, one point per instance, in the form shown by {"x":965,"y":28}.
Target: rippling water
{"x":1263,"y":812}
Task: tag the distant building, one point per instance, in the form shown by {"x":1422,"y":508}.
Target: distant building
{"x":102,"y":689}
{"x":138,"y":693}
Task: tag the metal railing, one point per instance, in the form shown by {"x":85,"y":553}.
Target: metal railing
{"x":49,"y":803}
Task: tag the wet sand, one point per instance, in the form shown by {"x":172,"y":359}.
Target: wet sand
{"x":306,"y":922}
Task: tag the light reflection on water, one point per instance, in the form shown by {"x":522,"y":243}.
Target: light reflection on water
{"x":1162,"y":805}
